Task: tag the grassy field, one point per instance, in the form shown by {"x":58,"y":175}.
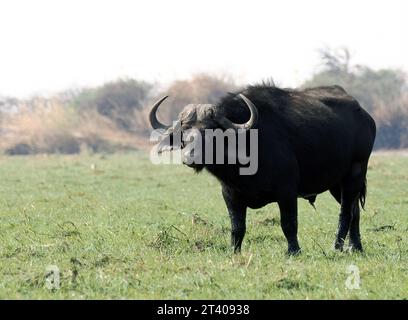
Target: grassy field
{"x":117,"y":226}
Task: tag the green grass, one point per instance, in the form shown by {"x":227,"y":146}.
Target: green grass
{"x":117,"y":226}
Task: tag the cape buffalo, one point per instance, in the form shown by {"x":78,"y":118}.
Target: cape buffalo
{"x":309,"y":141}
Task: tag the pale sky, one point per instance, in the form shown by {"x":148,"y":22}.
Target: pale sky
{"x":51,"y":45}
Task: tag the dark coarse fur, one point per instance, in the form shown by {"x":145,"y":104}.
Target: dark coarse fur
{"x":310,"y":141}
{"x":316,"y":126}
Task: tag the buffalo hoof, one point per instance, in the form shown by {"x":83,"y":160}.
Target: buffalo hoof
{"x":338,"y":246}
{"x":294,"y":252}
{"x":237,"y":250}
{"x":356,"y":247}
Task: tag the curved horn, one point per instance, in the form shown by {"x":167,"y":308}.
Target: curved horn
{"x":154,"y":122}
{"x":252,"y":120}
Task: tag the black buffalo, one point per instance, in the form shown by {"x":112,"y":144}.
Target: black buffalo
{"x":309,"y":141}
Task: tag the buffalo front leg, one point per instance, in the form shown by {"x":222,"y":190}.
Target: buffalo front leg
{"x":237,"y":213}
{"x":288,"y":215}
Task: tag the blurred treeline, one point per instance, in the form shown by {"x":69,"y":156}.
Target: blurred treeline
{"x":113,"y":117}
{"x":383,"y":93}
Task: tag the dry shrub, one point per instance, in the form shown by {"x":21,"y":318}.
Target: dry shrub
{"x":100,"y":133}
{"x":201,"y":88}
{"x":49,"y":126}
{"x":38,"y":126}
{"x":392,"y":124}
{"x":104,"y":119}
{"x":117,"y":100}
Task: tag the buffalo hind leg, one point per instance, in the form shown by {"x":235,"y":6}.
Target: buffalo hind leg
{"x":349,"y":219}
{"x":237,"y":213}
{"x":289,"y":224}
{"x":355,"y":239}
{"x":344,"y":219}
{"x":336,"y":193}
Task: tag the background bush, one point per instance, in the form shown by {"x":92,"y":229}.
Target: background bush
{"x":383,"y":93}
{"x":114,"y":116}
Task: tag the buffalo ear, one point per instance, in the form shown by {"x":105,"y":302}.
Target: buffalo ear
{"x":252,"y":121}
